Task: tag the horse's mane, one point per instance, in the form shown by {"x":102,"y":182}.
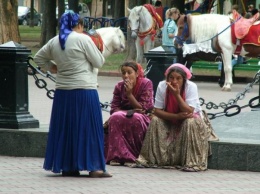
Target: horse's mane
{"x":205,"y":26}
{"x":141,"y":12}
{"x":110,"y":31}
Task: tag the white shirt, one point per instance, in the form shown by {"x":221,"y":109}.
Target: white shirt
{"x":75,"y":64}
{"x":191,"y":93}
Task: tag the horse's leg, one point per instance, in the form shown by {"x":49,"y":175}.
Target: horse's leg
{"x":227,"y":58}
{"x":180,"y":58}
{"x":221,"y":80}
{"x":139,"y":51}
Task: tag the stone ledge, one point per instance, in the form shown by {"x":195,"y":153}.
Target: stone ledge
{"x":225,"y":156}
{"x":234,"y":156}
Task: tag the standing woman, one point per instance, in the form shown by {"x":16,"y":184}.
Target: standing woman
{"x":75,"y":139}
{"x":133,"y":97}
{"x":179,"y":132}
{"x":169,"y":30}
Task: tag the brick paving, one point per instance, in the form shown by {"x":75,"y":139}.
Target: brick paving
{"x":25,"y":175}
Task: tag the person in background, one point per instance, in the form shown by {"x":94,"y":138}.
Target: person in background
{"x":159,"y":9}
{"x":128,"y":122}
{"x":250,"y":8}
{"x":179,"y":132}
{"x":75,"y":139}
{"x":169,"y":30}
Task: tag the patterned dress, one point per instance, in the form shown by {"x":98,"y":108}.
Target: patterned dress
{"x":126,"y":134}
{"x":185,"y":146}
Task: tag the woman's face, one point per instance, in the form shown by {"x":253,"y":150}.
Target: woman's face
{"x":175,"y":15}
{"x":129,"y":74}
{"x":176,"y":79}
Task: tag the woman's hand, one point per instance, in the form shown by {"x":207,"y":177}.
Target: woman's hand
{"x":184,"y":115}
{"x":138,"y":110}
{"x":128,"y":86}
{"x":53,"y":69}
{"x":174,"y":89}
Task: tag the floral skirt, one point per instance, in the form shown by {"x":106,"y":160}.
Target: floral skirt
{"x":168,"y":146}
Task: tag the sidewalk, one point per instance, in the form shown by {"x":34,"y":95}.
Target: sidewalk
{"x":25,"y":175}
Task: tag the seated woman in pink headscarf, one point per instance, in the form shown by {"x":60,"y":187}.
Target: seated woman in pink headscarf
{"x":133,"y":97}
{"x":179,"y":132}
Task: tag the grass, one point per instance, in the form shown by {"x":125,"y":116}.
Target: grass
{"x":30,"y":33}
{"x":113,"y":61}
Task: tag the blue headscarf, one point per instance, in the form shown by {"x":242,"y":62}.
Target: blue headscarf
{"x":68,"y":21}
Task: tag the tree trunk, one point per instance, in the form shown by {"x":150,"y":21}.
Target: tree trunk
{"x":9,"y":30}
{"x":61,"y":10}
{"x":32,"y":14}
{"x":131,"y":49}
{"x":104,"y":8}
{"x":74,"y":5}
{"x":118,"y":9}
{"x":48,"y":23}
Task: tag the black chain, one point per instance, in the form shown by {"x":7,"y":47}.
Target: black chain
{"x":228,"y":107}
{"x":231,"y":108}
{"x":41,"y":83}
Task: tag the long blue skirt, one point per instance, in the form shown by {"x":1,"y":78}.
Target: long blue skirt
{"x":75,"y":138}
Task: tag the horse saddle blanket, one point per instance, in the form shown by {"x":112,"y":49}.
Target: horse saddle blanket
{"x":252,"y":37}
{"x":96,"y":38}
{"x":154,"y":14}
{"x":242,"y":25}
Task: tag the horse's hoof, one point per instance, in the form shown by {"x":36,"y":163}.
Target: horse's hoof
{"x":226,"y":89}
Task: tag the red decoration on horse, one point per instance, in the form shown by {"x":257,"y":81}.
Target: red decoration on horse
{"x":96,"y":38}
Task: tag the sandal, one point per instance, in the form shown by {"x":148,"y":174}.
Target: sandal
{"x":115,"y":163}
{"x":99,"y":174}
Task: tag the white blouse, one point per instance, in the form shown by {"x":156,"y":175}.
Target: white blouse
{"x":191,"y":92}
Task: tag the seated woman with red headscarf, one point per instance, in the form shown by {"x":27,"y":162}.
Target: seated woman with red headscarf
{"x":132,"y":98}
{"x":179,"y":132}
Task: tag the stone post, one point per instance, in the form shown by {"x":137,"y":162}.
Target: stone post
{"x":14,"y":87}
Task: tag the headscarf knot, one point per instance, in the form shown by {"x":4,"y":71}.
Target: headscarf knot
{"x":68,"y":21}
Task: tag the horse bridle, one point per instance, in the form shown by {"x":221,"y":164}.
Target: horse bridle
{"x":137,"y":29}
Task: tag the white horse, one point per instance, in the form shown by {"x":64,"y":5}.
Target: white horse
{"x":143,"y":30}
{"x":113,"y":41}
{"x":213,"y":32}
{"x":209,"y":33}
